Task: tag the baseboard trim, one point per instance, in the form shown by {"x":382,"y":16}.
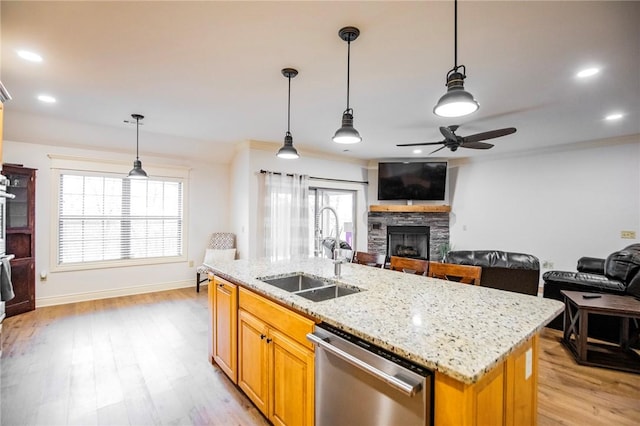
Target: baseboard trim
{"x":118,"y":292}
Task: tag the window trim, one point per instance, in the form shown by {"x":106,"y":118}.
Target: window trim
{"x":75,"y":165}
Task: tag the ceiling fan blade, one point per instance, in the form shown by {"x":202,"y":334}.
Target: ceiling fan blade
{"x":447,"y":133}
{"x":420,"y":144}
{"x":433,"y":152}
{"x":476,"y":145}
{"x":489,"y":135}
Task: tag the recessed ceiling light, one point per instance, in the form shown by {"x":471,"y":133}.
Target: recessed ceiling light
{"x":615,"y":116}
{"x":47,"y":99}
{"x":588,"y":72}
{"x":29,"y":56}
{"x":417,"y":151}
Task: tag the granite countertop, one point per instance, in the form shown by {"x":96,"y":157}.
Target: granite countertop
{"x":457,"y":329}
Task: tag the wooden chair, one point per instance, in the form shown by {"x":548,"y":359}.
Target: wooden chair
{"x":466,"y":274}
{"x":406,"y":264}
{"x":369,"y":259}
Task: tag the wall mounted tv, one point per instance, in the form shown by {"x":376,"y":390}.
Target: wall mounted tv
{"x":412,"y":181}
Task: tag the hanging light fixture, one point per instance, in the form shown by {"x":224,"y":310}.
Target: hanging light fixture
{"x":347,"y":134}
{"x":457,"y":102}
{"x":137,"y":172}
{"x":288,"y":151}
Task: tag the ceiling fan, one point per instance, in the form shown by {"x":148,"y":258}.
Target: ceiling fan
{"x":453,"y":141}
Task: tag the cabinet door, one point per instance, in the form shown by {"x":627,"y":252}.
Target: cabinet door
{"x":292,"y":370}
{"x":212,"y":324}
{"x":253,"y":359}
{"x":23,"y":280}
{"x":225,"y":334}
{"x":20,"y":209}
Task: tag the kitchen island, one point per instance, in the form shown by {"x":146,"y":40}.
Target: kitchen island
{"x":480,"y":342}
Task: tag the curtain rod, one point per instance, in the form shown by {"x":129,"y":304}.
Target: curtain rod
{"x":363,"y":182}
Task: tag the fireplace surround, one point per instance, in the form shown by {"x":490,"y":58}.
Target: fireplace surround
{"x":379,"y":221}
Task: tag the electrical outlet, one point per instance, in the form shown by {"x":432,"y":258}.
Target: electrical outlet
{"x":191,"y":264}
{"x":547,"y":264}
{"x":631,"y":235}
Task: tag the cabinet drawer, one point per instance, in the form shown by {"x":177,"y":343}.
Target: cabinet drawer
{"x":294,"y":325}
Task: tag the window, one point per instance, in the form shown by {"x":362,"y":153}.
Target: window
{"x":105,"y":219}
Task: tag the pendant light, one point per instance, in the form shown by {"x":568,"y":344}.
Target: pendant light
{"x":137,"y":172}
{"x":288,"y":151}
{"x":347,"y":134}
{"x":457,"y":102}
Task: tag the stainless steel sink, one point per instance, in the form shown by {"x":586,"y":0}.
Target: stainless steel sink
{"x":310,"y":287}
{"x":296,"y":282}
{"x":329,"y":292}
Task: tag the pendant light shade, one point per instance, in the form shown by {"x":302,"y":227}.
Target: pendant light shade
{"x":457,"y":102}
{"x":137,"y":172}
{"x":288,"y":151}
{"x":347,"y":134}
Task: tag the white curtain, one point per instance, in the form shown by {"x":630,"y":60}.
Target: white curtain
{"x":286,"y":216}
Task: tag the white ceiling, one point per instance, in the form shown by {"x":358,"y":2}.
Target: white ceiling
{"x":207,"y":74}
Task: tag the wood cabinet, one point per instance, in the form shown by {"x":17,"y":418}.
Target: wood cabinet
{"x":275,"y":361}
{"x":224,"y":341}
{"x":507,"y":395}
{"x":20,"y":236}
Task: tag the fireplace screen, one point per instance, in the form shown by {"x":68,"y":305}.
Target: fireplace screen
{"x":408,"y":241}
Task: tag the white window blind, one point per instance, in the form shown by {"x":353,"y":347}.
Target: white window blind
{"x":104,"y":217}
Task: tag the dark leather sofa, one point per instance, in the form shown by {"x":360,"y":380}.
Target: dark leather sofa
{"x":509,"y":271}
{"x":619,"y":274}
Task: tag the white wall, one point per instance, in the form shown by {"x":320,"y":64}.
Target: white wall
{"x":557,"y":205}
{"x":262,"y":156}
{"x":240,"y":200}
{"x":208,"y":190}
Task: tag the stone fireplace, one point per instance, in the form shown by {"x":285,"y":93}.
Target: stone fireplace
{"x":386,"y":229}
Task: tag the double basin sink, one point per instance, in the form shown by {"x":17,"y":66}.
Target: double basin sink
{"x":309,"y":286}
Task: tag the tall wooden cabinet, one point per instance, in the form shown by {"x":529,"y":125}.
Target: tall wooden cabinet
{"x":20,"y":221}
{"x":224,"y":308}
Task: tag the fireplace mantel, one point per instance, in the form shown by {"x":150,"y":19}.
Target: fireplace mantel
{"x":402,"y":208}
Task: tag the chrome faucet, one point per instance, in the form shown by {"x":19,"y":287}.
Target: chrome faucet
{"x":336,"y":262}
{"x":319,"y":232}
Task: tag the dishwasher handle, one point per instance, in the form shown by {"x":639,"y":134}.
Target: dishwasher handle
{"x":401,"y":385}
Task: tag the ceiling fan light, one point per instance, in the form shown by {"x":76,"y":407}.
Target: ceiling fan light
{"x":347,"y":134}
{"x":288,"y":151}
{"x":137,"y":172}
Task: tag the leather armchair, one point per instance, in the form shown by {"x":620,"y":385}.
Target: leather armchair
{"x":509,"y":271}
{"x":619,"y":274}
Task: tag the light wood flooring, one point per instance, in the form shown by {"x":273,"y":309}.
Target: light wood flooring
{"x":142,"y":360}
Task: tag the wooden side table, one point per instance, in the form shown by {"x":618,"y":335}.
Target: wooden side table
{"x":576,"y":321}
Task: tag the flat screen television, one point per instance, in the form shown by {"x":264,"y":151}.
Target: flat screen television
{"x":412,"y":181}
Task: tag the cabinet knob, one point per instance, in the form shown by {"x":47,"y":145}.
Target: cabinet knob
{"x":269,"y":340}
{"x":221,"y":285}
{"x":262,"y":336}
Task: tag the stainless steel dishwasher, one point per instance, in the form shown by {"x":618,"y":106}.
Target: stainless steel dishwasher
{"x":357,"y":383}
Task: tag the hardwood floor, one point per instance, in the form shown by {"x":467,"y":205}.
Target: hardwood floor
{"x":142,"y":360}
{"x":572,"y":394}
{"x":135,"y":360}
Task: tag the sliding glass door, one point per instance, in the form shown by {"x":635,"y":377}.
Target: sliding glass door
{"x":323,"y":203}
